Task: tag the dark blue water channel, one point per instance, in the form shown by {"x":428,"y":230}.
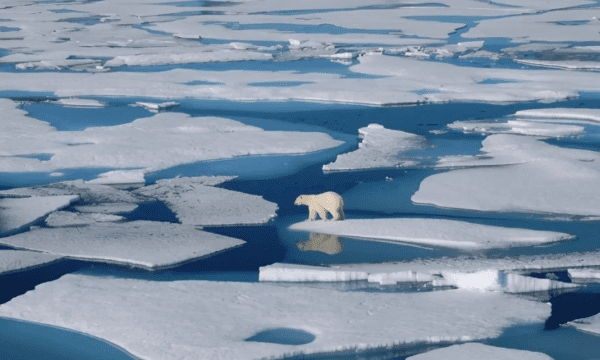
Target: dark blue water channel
{"x":280,"y":179}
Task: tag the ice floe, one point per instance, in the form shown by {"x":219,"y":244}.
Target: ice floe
{"x":83,"y":103}
{"x":584,"y":275}
{"x":379,"y":148}
{"x":89,"y":193}
{"x":590,"y":324}
{"x":540,"y":178}
{"x":196,"y":201}
{"x":518,"y":127}
{"x":120,"y":177}
{"x":146,"y":244}
{"x":433,"y":232}
{"x":107,"y":208}
{"x":157,"y":106}
{"x":562,"y":64}
{"x":17,"y":260}
{"x":67,"y":218}
{"x":17,"y":213}
{"x":201,"y":319}
{"x":157,"y":142}
{"x":562,"y":114}
{"x":478,"y":351}
{"x":391,"y":274}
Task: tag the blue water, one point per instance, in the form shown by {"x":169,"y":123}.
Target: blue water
{"x":280,"y":83}
{"x":202,"y":82}
{"x":8,"y":29}
{"x":284,"y":336}
{"x":303,"y":29}
{"x":368,"y":7}
{"x":199,"y":3}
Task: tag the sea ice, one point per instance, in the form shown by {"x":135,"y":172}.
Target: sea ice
{"x":186,"y":58}
{"x":562,"y":64}
{"x":379,"y":148}
{"x":210,"y":320}
{"x":17,"y":213}
{"x":562,"y":114}
{"x":107,"y":208}
{"x":146,"y":244}
{"x":89,"y":193}
{"x":17,"y":260}
{"x":390,"y":274}
{"x":83,"y":103}
{"x":157,"y":106}
{"x":196,"y":201}
{"x":476,"y":351}
{"x":582,"y":275}
{"x":67,"y":218}
{"x":157,"y":142}
{"x":538,"y":177}
{"x":518,"y":127}
{"x":119,"y":177}
{"x":435,"y":232}
{"x":590,"y":324}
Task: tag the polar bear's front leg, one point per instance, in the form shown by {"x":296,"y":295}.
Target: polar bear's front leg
{"x":312,"y":214}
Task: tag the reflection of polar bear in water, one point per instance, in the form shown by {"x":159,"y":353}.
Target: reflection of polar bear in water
{"x":322,"y":204}
{"x":329,"y":244}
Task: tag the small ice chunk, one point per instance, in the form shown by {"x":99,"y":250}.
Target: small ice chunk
{"x":120,"y":177}
{"x":590,"y":324}
{"x":17,"y":213}
{"x":494,"y":280}
{"x":67,"y":218}
{"x":210,"y":320}
{"x":478,"y":351}
{"x":304,"y":273}
{"x":17,"y":260}
{"x":84,"y":103}
{"x":195,"y":203}
{"x":584,"y":274}
{"x":379,"y":148}
{"x":107,"y":208}
{"x":564,"y":64}
{"x":146,"y":244}
{"x":518,"y":127}
{"x":435,"y":232}
{"x":157,"y":106}
{"x":401,"y":276}
{"x":561,"y":114}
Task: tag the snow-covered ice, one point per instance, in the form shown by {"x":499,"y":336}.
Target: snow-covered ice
{"x":210,"y":320}
{"x":157,"y":106}
{"x":433,"y":232}
{"x":119,"y":177}
{"x":539,"y":177}
{"x":67,"y":218}
{"x":562,"y":114}
{"x":145,"y":244}
{"x":17,"y":213}
{"x":476,"y":351}
{"x":518,"y":127}
{"x":564,"y":64}
{"x":17,"y":260}
{"x":196,"y":201}
{"x":379,"y":148}
{"x":493,"y":280}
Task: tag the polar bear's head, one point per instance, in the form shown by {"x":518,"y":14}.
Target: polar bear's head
{"x":300,"y":200}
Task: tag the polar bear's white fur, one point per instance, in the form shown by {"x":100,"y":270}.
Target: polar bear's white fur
{"x":327,"y":202}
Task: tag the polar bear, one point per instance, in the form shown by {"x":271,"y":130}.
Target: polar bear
{"x":322,"y":204}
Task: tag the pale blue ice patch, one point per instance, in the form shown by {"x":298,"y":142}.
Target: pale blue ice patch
{"x":27,"y":340}
{"x":40,"y":157}
{"x":303,"y":29}
{"x":8,"y":29}
{"x":63,"y":11}
{"x":200,"y":3}
{"x":283,"y":336}
{"x":88,"y":21}
{"x":494,"y":81}
{"x":26,"y":95}
{"x":425,"y":91}
{"x":368,"y":7}
{"x":67,"y":118}
{"x":202,"y":82}
{"x":4,"y":52}
{"x":280,"y":83}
